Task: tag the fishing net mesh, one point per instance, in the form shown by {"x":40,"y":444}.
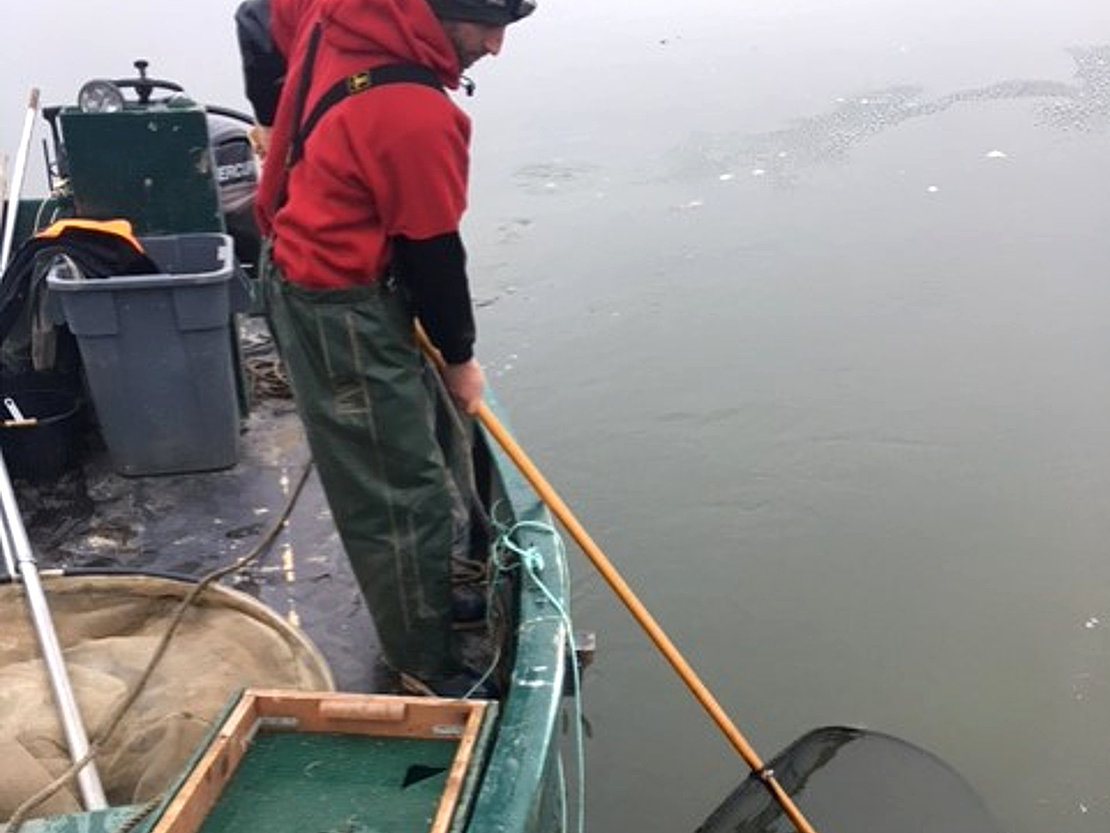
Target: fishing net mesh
{"x":109,"y":628}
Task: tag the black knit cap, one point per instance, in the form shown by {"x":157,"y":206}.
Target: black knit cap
{"x":490,"y":12}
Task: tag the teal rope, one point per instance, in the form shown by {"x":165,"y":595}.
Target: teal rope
{"x":531,"y":559}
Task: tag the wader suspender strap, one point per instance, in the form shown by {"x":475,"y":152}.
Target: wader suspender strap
{"x":358,"y":82}
{"x":298,"y":112}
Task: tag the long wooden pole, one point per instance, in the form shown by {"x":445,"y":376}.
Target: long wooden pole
{"x":639,"y":612}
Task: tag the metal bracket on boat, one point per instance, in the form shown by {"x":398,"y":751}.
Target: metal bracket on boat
{"x":448,"y":730}
{"x":277,"y":724}
{"x":585,"y":648}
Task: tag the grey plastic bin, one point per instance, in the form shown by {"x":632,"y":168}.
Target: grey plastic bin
{"x":158,"y":356}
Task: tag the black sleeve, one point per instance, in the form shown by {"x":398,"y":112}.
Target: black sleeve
{"x":434,"y":273}
{"x":263,"y":64}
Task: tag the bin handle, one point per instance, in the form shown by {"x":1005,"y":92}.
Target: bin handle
{"x":13,"y":409}
{"x":17,"y":415}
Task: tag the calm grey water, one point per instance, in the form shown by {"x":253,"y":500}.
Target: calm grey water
{"x":803,"y":308}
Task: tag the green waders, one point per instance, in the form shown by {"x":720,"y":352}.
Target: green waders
{"x":367,"y":399}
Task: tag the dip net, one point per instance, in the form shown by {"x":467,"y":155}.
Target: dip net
{"x":109,"y":628}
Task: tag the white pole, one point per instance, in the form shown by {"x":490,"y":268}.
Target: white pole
{"x":14,"y":537}
{"x":17,"y":177}
{"x":3,"y":176}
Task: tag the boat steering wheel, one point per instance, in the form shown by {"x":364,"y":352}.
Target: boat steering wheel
{"x":144,"y":86}
{"x":102,"y":95}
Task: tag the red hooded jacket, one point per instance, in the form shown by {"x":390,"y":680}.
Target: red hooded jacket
{"x":390,"y":161}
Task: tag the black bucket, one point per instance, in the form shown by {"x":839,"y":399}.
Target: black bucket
{"x":47,"y":442}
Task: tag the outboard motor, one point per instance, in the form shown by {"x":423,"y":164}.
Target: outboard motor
{"x":236,"y":182}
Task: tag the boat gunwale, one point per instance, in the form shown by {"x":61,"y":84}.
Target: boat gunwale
{"x":516,"y":773}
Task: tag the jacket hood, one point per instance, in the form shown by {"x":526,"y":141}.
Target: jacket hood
{"x":391,"y":31}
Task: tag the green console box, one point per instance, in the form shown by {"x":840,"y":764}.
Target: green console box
{"x":151,"y":165}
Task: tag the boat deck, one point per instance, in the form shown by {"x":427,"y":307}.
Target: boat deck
{"x":191,"y":524}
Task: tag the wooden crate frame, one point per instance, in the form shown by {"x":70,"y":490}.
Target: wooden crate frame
{"x":378,"y":715}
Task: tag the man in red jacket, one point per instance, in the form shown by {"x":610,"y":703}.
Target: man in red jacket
{"x":361,"y":199}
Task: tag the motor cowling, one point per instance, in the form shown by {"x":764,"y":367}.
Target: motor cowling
{"x":237,"y":174}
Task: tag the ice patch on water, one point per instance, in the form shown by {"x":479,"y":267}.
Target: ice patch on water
{"x":556,"y":176}
{"x":830,"y":137}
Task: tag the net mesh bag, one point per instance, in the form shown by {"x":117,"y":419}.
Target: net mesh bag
{"x":109,"y":628}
